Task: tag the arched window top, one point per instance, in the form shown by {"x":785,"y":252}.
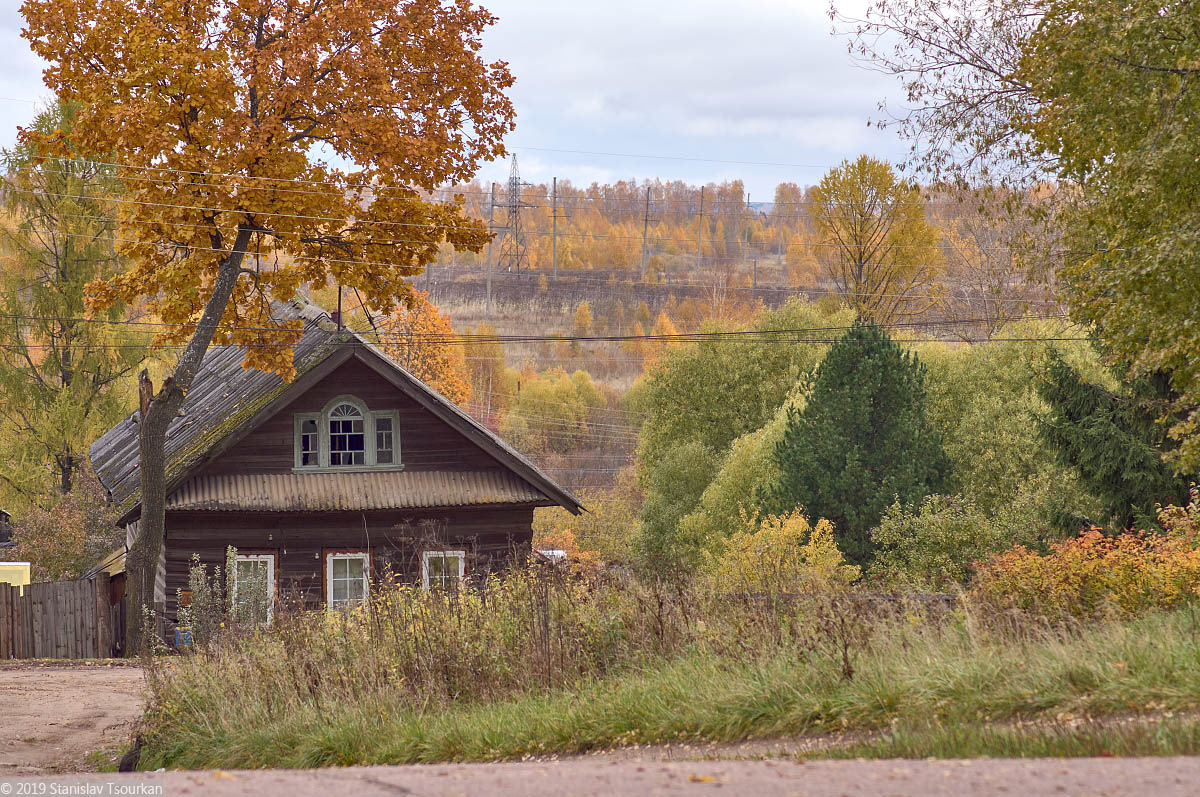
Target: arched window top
{"x":345,"y":410}
{"x":345,"y":406}
{"x":347,"y":434}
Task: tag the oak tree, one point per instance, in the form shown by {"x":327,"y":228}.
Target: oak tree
{"x":266,"y":145}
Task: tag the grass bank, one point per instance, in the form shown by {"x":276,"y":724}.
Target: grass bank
{"x":958,"y":687}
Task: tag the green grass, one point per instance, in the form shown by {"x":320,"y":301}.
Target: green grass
{"x":951,"y":690}
{"x":1137,"y":736}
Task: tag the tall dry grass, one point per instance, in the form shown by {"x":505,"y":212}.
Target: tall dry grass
{"x":542,"y":662}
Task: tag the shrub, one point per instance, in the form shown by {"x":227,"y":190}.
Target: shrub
{"x":780,"y":553}
{"x":1093,"y":575}
{"x":936,"y":544}
{"x":65,"y":539}
{"x":600,"y":535}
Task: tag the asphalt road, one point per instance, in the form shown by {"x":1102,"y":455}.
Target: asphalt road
{"x":1151,"y":777}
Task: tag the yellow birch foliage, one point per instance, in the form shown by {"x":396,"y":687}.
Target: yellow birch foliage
{"x":215,"y":110}
{"x":876,"y":245}
{"x":780,"y":553}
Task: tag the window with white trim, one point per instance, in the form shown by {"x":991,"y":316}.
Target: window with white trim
{"x":253,"y":591}
{"x":442,"y":569}
{"x":347,"y":440}
{"x":346,"y":435}
{"x":308,"y":437}
{"x":384,"y":440}
{"x":347,"y":578}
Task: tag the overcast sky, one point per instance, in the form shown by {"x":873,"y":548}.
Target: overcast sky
{"x":701,"y":81}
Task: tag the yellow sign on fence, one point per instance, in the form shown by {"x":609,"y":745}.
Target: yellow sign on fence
{"x":15,"y":573}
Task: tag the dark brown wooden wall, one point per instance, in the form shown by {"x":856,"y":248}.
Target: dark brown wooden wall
{"x":396,"y":539}
{"x":426,"y":441}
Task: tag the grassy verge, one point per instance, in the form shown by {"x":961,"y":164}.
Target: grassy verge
{"x":1137,"y":736}
{"x":952,"y":689}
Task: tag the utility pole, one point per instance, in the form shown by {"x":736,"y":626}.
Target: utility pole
{"x":487,"y":307}
{"x":554,"y":206}
{"x":645,"y":225}
{"x":743,"y":232}
{"x":699,"y":230}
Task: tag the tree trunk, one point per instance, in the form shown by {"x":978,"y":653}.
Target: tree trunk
{"x":157,"y":410}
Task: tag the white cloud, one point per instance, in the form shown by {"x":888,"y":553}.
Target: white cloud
{"x":758,"y":80}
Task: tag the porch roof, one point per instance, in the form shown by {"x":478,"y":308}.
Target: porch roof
{"x":353,"y":492}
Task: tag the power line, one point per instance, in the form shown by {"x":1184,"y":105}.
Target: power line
{"x":496,"y":338}
{"x":668,"y":284}
{"x":438,"y":227}
{"x":419,"y":193}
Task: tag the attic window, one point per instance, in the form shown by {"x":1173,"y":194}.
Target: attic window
{"x":346,"y":435}
{"x":347,"y":443}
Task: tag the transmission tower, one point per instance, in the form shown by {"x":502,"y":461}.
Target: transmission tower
{"x":512,"y":248}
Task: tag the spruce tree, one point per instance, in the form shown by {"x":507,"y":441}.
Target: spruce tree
{"x":861,"y":441}
{"x":1115,"y":441}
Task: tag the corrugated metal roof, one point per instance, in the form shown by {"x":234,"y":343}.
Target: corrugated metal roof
{"x":331,"y":492}
{"x":224,"y":395}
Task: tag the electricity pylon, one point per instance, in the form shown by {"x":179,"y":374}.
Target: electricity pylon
{"x":513,"y":254}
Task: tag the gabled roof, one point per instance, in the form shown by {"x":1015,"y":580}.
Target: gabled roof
{"x":227,"y":401}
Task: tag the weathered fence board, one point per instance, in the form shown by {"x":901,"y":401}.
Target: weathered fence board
{"x":61,"y":619}
{"x":6,"y":622}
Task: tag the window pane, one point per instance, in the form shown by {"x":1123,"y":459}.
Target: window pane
{"x":443,"y":570}
{"x":345,"y":411}
{"x":308,"y":442}
{"x":253,"y":590}
{"x":347,"y":442}
{"x":383,"y":440}
{"x":347,"y":582}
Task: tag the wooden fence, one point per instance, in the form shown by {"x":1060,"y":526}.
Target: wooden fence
{"x":60,"y":620}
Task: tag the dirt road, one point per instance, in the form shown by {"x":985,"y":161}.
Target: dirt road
{"x":52,"y":716}
{"x":1097,"y":777}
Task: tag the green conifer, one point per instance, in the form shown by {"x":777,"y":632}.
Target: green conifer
{"x":861,"y":441}
{"x":1115,"y":441}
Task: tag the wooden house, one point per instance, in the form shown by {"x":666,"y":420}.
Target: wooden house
{"x":354,"y":469}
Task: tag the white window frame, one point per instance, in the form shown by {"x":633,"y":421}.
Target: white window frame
{"x":394,"y":417}
{"x":370,"y":454}
{"x":296,"y":437}
{"x":368,"y":433}
{"x":269,"y":558}
{"x":460,"y":555}
{"x":329,"y":559}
